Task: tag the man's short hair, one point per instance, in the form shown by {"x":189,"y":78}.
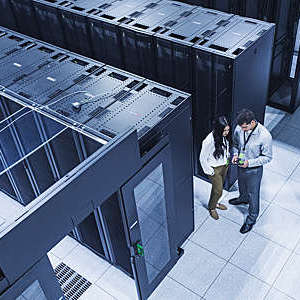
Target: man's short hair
{"x":245,"y":116}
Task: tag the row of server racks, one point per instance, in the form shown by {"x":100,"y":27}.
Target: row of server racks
{"x":222,"y":59}
{"x":285,"y":14}
{"x":58,"y":111}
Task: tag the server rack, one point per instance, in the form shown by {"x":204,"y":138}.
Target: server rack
{"x":173,"y":46}
{"x":285,"y":14}
{"x":8,"y":18}
{"x":137,"y":36}
{"x":104,"y":29}
{"x":25,"y":17}
{"x":49,"y":21}
{"x":67,"y":134}
{"x":231,"y":71}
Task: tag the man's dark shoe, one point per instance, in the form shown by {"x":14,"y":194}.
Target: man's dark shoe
{"x":246,"y":228}
{"x":237,"y":201}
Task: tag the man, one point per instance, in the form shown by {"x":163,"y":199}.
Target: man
{"x":252,"y":148}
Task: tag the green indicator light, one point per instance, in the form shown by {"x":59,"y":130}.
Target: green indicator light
{"x":139,"y":249}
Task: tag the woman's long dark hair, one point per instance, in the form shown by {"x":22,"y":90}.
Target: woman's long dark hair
{"x":218,"y":128}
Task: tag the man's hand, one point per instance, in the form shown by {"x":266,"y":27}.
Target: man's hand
{"x":235,"y":159}
{"x":245,"y":165}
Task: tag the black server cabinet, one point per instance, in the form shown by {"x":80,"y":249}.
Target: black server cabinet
{"x":25,"y":17}
{"x":74,"y":24}
{"x":109,"y":209}
{"x":104,"y":28}
{"x":173,"y":46}
{"x":137,"y":35}
{"x":7,"y":19}
{"x":49,"y":21}
{"x":231,"y":73}
{"x":285,"y":14}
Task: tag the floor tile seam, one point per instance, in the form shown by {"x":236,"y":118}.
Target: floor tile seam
{"x":105,"y":290}
{"x":286,"y":179}
{"x":281,"y":174}
{"x":280,"y":272}
{"x":295,"y":170}
{"x":180,"y":283}
{"x":266,"y":295}
{"x":54,"y":255}
{"x":198,"y":227}
{"x":292,"y":298}
{"x":210,"y":251}
{"x":288,"y":147}
{"x":222,"y":269}
{"x":269,"y":239}
{"x":260,"y":233}
{"x":285,"y":208}
{"x":69,"y":252}
{"x":252,"y":275}
{"x":282,"y":207}
{"x":106,"y":269}
{"x":227,"y":218}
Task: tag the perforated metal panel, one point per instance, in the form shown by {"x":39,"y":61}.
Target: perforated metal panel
{"x":72,"y":284}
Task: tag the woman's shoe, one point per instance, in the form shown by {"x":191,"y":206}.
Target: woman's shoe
{"x":221,"y":206}
{"x":213,"y":213}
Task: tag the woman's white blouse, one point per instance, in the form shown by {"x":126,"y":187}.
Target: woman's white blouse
{"x":207,"y":159}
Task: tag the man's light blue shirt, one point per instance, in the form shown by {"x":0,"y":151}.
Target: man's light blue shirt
{"x":258,"y":150}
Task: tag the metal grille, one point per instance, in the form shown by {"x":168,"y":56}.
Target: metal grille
{"x":72,"y":284}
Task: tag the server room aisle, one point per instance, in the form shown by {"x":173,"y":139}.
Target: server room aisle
{"x":219,"y":262}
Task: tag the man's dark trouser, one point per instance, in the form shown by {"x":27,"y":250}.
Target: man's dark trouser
{"x":249,"y":180}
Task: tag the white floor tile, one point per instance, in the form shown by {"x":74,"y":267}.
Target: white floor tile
{"x":235,"y":284}
{"x":64,"y":247}
{"x":271,"y":184}
{"x":260,"y":257}
{"x":238,"y":213}
{"x":289,"y":196}
{"x":277,"y":295}
{"x":55,"y":261}
{"x":170,"y":289}
{"x":285,"y":159}
{"x":86,"y":263}
{"x":221,"y":237}
{"x":202,"y":190}
{"x":197,"y":268}
{"x":200,"y":214}
{"x":279,"y":225}
{"x":118,"y":284}
{"x":95,"y":293}
{"x":289,"y":279}
{"x":10,"y":209}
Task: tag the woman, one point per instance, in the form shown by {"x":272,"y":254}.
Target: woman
{"x":214,"y":158}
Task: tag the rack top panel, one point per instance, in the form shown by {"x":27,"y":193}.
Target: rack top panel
{"x":10,"y":41}
{"x":26,"y":61}
{"x":238,"y":37}
{"x":45,"y":84}
{"x":198,"y":26}
{"x":165,"y":15}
